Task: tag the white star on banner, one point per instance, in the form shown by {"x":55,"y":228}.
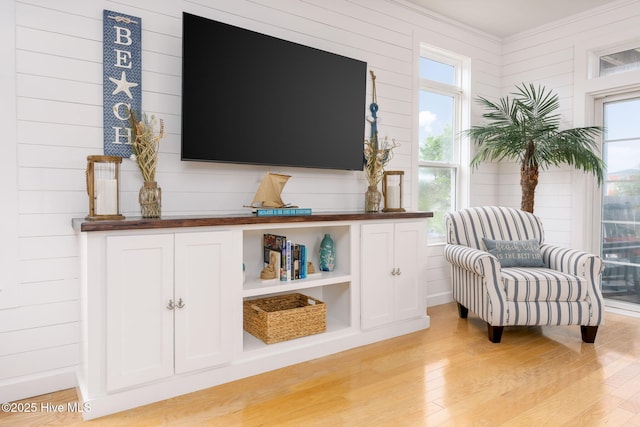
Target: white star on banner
{"x":123,"y":85}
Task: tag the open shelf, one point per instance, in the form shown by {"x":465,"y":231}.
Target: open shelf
{"x":310,"y":235}
{"x":338,"y":299}
{"x":334,"y":327}
{"x":257,"y":287}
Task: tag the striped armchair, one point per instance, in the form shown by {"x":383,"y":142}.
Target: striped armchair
{"x":562,"y":290}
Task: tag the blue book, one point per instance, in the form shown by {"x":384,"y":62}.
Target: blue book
{"x":283,"y":211}
{"x":303,"y":262}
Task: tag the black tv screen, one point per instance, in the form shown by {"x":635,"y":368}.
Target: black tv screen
{"x":255,"y":99}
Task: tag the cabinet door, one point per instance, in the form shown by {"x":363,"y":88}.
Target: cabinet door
{"x":204,"y":284}
{"x":410,"y":277}
{"x":139,"y":327}
{"x":376,"y":279}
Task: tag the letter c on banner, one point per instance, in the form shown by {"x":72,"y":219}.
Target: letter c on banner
{"x":116,"y":110}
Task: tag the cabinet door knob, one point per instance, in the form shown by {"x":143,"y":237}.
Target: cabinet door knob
{"x":394,"y":272}
{"x":398,"y":272}
{"x":170,"y":306}
{"x":180,"y":304}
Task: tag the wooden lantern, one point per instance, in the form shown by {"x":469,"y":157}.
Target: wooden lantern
{"x":392,"y":191}
{"x":103,"y":187}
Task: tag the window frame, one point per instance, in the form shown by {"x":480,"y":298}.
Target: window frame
{"x":593,"y":57}
{"x":599,"y":221}
{"x":459,"y":92}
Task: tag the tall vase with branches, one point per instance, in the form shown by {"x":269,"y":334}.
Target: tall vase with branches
{"x":376,"y":155}
{"x":146,"y":145}
{"x":526,"y":128}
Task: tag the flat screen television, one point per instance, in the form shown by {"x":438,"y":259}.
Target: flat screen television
{"x":256,"y":99}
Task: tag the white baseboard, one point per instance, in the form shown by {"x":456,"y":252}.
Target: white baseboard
{"x":620,"y":307}
{"x":440,"y":298}
{"x":37,"y":384}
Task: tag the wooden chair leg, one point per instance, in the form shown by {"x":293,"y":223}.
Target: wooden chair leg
{"x":495,"y":333}
{"x":463,"y":311}
{"x":588,"y":333}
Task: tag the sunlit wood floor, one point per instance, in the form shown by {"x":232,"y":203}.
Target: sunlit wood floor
{"x":447,"y":375}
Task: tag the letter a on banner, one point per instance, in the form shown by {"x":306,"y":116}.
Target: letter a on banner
{"x":122,"y":80}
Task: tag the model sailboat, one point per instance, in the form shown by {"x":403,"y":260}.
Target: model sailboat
{"x":270,"y":190}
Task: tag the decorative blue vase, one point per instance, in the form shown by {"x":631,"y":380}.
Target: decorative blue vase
{"x":327,"y":254}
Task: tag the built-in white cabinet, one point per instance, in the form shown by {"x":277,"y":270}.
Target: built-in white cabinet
{"x":139,"y":328}
{"x":167,"y":305}
{"x":393,"y":273}
{"x":203,"y":299}
{"x":162,"y":299}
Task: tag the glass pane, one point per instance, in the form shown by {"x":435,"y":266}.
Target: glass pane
{"x":621,"y":278}
{"x":437,"y":71}
{"x":621,"y":202}
{"x":621,"y":119}
{"x":436,"y":127}
{"x":623,"y":159}
{"x":436,"y":187}
{"x":620,"y":62}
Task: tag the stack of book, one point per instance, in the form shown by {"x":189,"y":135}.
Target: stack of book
{"x":289,"y":259}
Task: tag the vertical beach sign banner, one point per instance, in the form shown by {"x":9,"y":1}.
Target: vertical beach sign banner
{"x":122,"y":79}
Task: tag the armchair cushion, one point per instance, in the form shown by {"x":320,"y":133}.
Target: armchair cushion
{"x":515,"y":253}
{"x":543,"y":284}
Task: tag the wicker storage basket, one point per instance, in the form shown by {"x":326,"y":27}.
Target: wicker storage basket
{"x":284,"y":317}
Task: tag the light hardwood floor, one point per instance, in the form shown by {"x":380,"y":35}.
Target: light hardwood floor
{"x":447,"y":375}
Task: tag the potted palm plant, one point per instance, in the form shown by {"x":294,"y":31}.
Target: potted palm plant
{"x":526,"y":128}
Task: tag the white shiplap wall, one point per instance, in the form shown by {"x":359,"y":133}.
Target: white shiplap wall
{"x":53,"y":110}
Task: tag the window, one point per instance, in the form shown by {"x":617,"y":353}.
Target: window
{"x":619,"y":62}
{"x":439,"y":105}
{"x":621,"y":199}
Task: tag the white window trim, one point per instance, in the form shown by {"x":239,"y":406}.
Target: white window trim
{"x":462,"y":151}
{"x":616,"y":94}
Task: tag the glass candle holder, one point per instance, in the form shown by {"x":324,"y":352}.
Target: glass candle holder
{"x":392,"y":191}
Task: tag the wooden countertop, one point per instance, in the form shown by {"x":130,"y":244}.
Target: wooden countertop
{"x":137,"y":223}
